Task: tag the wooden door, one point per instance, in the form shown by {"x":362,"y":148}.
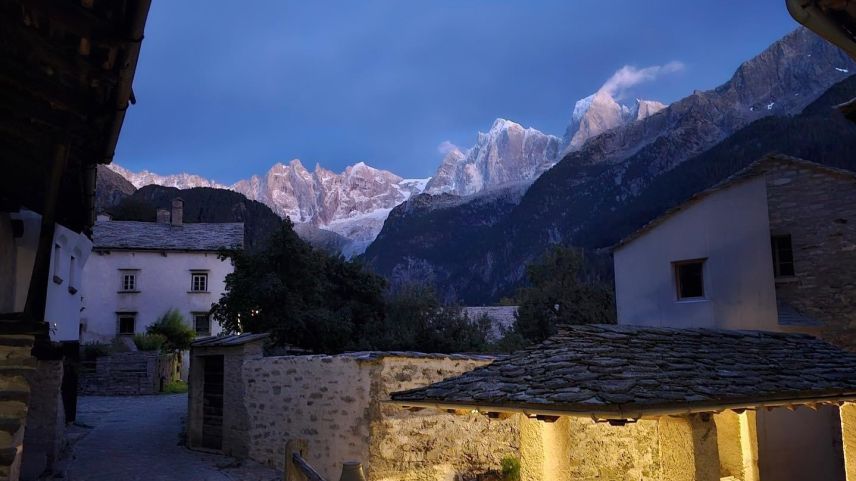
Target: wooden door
{"x":212,"y":403}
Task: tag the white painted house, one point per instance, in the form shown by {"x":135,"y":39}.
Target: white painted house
{"x":140,"y":270}
{"x":771,"y":248}
{"x":17,"y":255}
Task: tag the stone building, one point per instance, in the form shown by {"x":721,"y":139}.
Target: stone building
{"x":247,"y":405}
{"x":659,"y":404}
{"x":140,"y":270}
{"x":773,"y":247}
{"x":67,"y":69}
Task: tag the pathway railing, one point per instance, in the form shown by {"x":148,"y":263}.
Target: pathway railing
{"x":298,"y":469}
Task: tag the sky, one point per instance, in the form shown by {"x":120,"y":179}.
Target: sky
{"x":227,"y":89}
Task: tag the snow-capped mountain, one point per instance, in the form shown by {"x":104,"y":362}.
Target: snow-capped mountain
{"x":353,"y":203}
{"x":179,"y":181}
{"x":508,"y":153}
{"x":599,"y":112}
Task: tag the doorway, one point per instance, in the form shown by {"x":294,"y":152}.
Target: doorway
{"x":212,"y":402}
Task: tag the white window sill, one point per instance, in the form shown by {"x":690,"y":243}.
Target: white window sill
{"x":199,"y":292}
{"x":128,"y":292}
{"x":692,"y":300}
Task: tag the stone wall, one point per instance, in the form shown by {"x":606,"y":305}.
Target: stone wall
{"x":45,"y":434}
{"x":335,"y":404}
{"x":818,"y":210}
{"x":126,"y":374}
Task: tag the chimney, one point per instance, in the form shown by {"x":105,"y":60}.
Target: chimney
{"x":163,"y":216}
{"x":177,"y":211}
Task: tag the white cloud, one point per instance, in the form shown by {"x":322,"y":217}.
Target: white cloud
{"x":446,"y":146}
{"x":628,"y":76}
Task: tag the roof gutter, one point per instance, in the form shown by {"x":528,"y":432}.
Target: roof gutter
{"x":124,"y":93}
{"x":629,"y":412}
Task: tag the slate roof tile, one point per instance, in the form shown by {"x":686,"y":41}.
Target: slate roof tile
{"x":627,"y":368}
{"x":116,"y":234}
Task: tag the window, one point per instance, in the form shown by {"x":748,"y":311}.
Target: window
{"x":783,"y":255}
{"x":57,"y":263}
{"x":129,"y":281}
{"x":202,"y":323}
{"x":689,"y":279}
{"x":127,"y":323}
{"x":72,"y":282}
{"x":199,"y":282}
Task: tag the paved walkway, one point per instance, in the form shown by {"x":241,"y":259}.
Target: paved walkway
{"x":137,"y":438}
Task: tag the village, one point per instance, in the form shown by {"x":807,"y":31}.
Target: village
{"x":158,"y":343}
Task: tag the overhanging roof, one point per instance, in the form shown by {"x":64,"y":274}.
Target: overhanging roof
{"x":755,"y":169}
{"x":66,"y":68}
{"x":231,"y":340}
{"x":630,"y":372}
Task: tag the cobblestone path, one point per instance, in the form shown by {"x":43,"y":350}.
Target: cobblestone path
{"x":136,"y":438}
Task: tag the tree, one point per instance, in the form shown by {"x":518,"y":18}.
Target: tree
{"x":176,"y":334}
{"x":556,"y":295}
{"x":302,"y":296}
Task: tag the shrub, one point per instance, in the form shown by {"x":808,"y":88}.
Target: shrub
{"x":93,"y":350}
{"x":177,"y":335}
{"x":149,"y":342}
{"x":510,"y":468}
{"x":176,"y":387}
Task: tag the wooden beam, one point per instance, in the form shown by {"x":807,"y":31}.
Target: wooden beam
{"x":34,"y":308}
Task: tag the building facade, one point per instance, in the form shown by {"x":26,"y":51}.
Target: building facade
{"x":141,"y":270}
{"x":771,"y":248}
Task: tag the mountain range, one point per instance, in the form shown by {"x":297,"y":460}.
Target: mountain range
{"x":355,"y":203}
{"x":615,"y":180}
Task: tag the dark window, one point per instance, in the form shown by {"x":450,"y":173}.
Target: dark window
{"x":199,"y":282}
{"x":202,"y":324}
{"x":689,"y":278}
{"x":129,"y":281}
{"x":127,"y":323}
{"x":783,"y":255}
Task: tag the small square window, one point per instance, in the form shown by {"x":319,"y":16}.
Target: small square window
{"x":202,"y":324}
{"x":199,"y":282}
{"x":127,"y":324}
{"x":783,"y":255}
{"x":129,"y":281}
{"x":689,"y":279}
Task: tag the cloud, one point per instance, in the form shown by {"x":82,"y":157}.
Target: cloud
{"x":629,"y":76}
{"x":445,"y":147}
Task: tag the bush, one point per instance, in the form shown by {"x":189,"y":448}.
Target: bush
{"x":93,"y":350}
{"x":177,"y":335}
{"x":510,"y":468}
{"x":149,"y":342}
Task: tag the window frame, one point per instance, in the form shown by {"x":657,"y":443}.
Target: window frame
{"x":124,"y":274}
{"x":194,"y":275}
{"x":57,"y":263}
{"x":676,"y":266}
{"x":126,"y":315}
{"x":207,"y":316}
{"x":777,"y":262}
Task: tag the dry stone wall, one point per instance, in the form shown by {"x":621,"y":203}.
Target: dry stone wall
{"x":126,"y":374}
{"x":335,"y":403}
{"x":818,"y":210}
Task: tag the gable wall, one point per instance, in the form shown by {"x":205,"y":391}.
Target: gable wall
{"x":818,"y":210}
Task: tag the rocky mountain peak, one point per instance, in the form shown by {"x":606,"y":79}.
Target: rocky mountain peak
{"x":600,"y":112}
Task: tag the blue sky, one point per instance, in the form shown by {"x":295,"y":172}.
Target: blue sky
{"x":226,"y":89}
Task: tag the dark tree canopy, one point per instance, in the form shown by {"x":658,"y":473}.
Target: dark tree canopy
{"x":557,"y":295}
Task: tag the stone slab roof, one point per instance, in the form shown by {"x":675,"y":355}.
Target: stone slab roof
{"x":622,"y":372}
{"x":162,"y":236}
{"x":759,"y":167}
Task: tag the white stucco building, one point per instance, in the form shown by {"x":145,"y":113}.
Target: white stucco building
{"x":140,"y":270}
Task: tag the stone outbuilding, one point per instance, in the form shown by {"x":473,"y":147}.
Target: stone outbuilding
{"x":643,"y":403}
{"x":217,"y":416}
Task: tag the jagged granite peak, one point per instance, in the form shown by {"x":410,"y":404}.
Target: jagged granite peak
{"x":179,"y":181}
{"x":508,"y":153}
{"x":600,"y":112}
{"x":353,"y":203}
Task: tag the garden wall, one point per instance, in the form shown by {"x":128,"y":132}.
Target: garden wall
{"x":335,"y":404}
{"x":126,"y":374}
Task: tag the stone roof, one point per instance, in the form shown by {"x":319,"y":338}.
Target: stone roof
{"x":753,"y":170}
{"x":622,"y":372}
{"x":163,"y":236}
